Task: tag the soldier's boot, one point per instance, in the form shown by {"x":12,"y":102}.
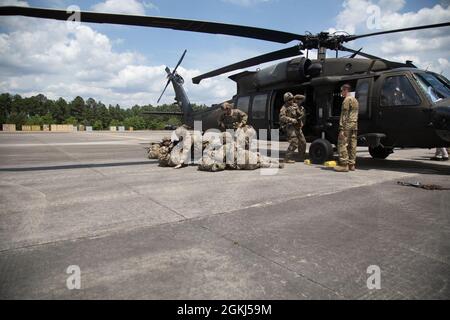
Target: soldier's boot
{"x":341,"y":168}
{"x":351,"y":167}
{"x":288,"y":158}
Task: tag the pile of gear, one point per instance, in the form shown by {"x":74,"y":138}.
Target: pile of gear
{"x":214,"y":152}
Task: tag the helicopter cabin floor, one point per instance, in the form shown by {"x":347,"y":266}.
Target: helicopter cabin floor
{"x":137,"y":230}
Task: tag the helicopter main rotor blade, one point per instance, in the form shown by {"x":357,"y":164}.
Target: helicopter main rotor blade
{"x":156,"y":22}
{"x":359,"y":52}
{"x":179,"y":61}
{"x":167,"y":84}
{"x":429,"y":26}
{"x":271,"y":56}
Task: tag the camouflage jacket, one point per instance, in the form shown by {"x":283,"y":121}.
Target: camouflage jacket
{"x":237,"y":119}
{"x":349,"y":114}
{"x":292,"y":115}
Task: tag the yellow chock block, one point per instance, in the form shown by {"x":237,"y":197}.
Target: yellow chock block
{"x":330,"y":164}
{"x":307,"y":161}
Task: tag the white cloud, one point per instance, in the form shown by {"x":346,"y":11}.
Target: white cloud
{"x":425,"y":47}
{"x":19,"y":3}
{"x":123,"y":6}
{"x":83,"y":62}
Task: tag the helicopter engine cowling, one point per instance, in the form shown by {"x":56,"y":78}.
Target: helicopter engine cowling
{"x":295,"y":70}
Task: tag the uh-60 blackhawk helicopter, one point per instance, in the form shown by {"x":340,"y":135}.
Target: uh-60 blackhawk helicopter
{"x":400,"y":105}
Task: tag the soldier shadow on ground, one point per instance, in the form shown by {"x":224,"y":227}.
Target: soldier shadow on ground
{"x":79,"y":166}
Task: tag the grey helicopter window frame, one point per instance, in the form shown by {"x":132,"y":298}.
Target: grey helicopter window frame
{"x":368,"y":99}
{"x":259,"y":111}
{"x":412,"y":86}
{"x":239,"y":106}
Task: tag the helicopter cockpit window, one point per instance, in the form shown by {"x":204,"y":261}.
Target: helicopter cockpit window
{"x":259,"y":106}
{"x":243,"y":103}
{"x":398,"y":91}
{"x":435,"y":88}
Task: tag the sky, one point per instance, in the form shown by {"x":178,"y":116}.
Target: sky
{"x":125,"y":65}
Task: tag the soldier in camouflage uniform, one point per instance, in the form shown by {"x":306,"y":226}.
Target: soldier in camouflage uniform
{"x":214,"y":153}
{"x":348,"y":131}
{"x":181,"y":153}
{"x":291,"y":118}
{"x":231,"y":118}
{"x":249,"y":160}
{"x":224,"y":153}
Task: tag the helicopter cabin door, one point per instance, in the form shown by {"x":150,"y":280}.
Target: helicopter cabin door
{"x":403,"y":114}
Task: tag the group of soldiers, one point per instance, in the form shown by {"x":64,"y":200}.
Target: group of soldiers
{"x":214,"y":152}
{"x":292,"y":119}
{"x":237,"y":151}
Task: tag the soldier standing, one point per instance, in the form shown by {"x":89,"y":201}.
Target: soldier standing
{"x":291,"y":122}
{"x":231,"y":118}
{"x":298,"y":100}
{"x":348,"y":129}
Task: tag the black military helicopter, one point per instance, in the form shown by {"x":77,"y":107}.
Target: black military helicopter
{"x":400,"y":105}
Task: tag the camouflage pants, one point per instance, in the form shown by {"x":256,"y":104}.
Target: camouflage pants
{"x":268,"y":162}
{"x":347,"y":148}
{"x":247,"y":160}
{"x":212,"y":160}
{"x":296,"y":140}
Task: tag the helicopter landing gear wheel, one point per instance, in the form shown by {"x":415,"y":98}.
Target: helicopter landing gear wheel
{"x":320,"y":151}
{"x":380,"y":152}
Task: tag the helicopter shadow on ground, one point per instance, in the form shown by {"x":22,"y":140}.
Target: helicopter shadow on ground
{"x":414,"y":165}
{"x":407,"y":166}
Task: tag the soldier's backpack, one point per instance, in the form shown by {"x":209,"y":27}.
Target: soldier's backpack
{"x":153,"y":150}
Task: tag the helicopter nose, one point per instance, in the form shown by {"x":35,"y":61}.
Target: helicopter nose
{"x":441,"y":121}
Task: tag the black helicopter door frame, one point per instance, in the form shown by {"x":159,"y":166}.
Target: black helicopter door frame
{"x":402,"y":111}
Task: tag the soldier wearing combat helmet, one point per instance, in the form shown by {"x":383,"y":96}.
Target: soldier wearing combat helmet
{"x":291,"y":119}
{"x":231,"y":118}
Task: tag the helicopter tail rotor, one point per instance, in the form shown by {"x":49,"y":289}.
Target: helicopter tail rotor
{"x":170,"y":74}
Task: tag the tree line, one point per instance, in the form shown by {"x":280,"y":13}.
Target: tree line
{"x":39,"y":110}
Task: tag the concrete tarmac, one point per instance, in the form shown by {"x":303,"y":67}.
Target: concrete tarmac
{"x":139,"y":231}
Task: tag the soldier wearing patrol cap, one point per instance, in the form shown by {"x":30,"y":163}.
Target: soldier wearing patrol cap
{"x":348,"y":131}
{"x":291,"y":119}
{"x":231,"y":118}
